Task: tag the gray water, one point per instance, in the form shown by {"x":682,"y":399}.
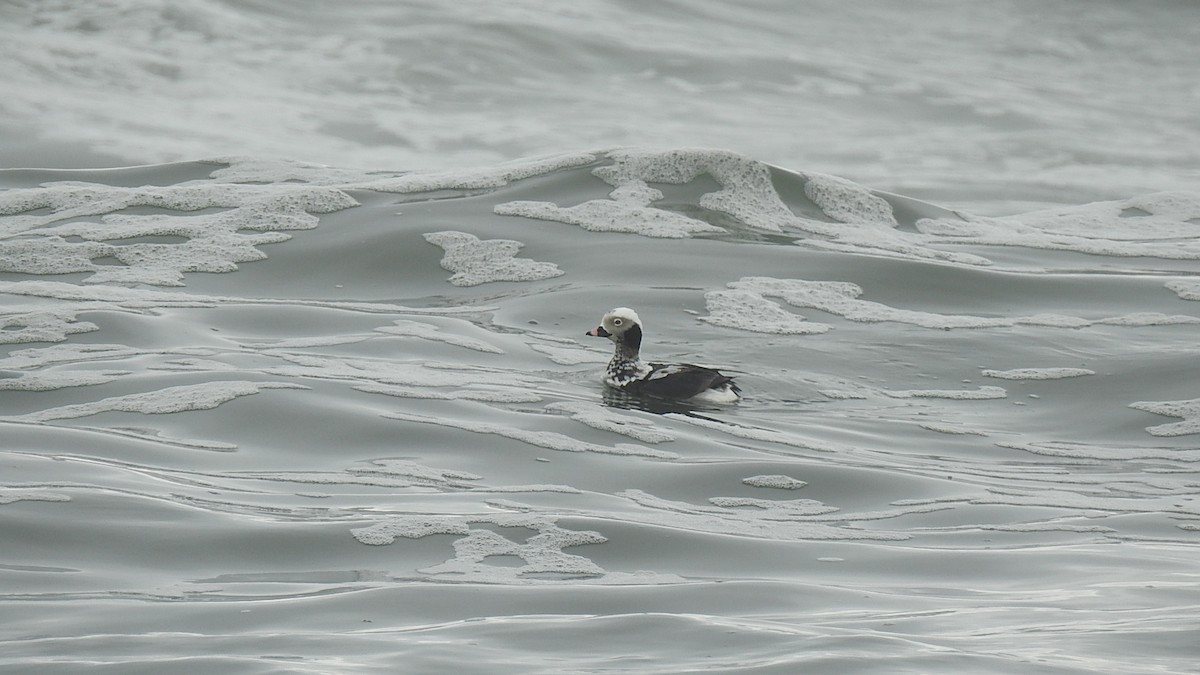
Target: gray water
{"x":268,"y":416}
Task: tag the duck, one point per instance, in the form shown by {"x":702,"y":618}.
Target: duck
{"x":679,"y":381}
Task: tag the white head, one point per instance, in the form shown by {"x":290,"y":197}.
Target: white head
{"x":622,"y":326}
{"x":620,"y":320}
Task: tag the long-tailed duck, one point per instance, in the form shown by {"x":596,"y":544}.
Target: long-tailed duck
{"x":627,"y":372}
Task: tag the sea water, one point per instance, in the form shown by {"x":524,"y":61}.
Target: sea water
{"x":264,"y":415}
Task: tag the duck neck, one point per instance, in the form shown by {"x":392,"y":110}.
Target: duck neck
{"x":625,"y":367}
{"x":629,"y":344}
{"x":626,"y":355}
{"x":626,"y":364}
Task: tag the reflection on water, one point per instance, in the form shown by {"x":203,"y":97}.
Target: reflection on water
{"x":616,"y":398}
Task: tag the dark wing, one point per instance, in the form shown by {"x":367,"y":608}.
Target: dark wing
{"x":681,"y":380}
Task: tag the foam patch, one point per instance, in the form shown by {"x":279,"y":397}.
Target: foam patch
{"x":433,"y":333}
{"x":747,"y":193}
{"x":203,"y":396}
{"x":750,"y":311}
{"x":629,"y":210}
{"x":476,"y":261}
{"x":776,"y":482}
{"x":1189,"y":410}
{"x":1160,"y":225}
{"x":606,"y":419}
{"x":245,"y":217}
{"x":550,"y":440}
{"x":1037,"y":373}
{"x":842,"y":299}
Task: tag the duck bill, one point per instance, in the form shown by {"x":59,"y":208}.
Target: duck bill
{"x":598,"y":331}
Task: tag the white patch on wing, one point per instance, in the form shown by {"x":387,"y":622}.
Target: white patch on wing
{"x":666,"y":371}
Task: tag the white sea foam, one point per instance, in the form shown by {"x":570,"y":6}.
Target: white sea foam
{"x":403,"y":473}
{"x":746,"y":193}
{"x":848,"y":202}
{"x":1189,"y":410}
{"x":411,"y":527}
{"x":1037,"y":373}
{"x":52,"y":255}
{"x":842,"y":299}
{"x":746,"y":310}
{"x":305,"y":342}
{"x":253,"y":169}
{"x":144,"y":298}
{"x":1107,"y":453}
{"x":1048,"y":527}
{"x":629,"y":210}
{"x":13,"y":495}
{"x":1149,"y":319}
{"x":777,"y":482}
{"x":182,"y":398}
{"x":211,"y":242}
{"x":51,"y":380}
{"x":775,"y":509}
{"x":428,"y":331}
{"x":550,"y":440}
{"x":951,"y":429}
{"x":416,"y":471}
{"x":1068,"y":500}
{"x":889,"y":243}
{"x":120,"y":297}
{"x":606,"y":419}
{"x":428,"y":374}
{"x":1052,"y":321}
{"x":846,"y":390}
{"x":866,"y":223}
{"x":859,"y":220}
{"x":539,"y":487}
{"x":477,"y":261}
{"x":494,"y":176}
{"x":350,"y":478}
{"x":41,"y":326}
{"x":980,"y":394}
{"x":541,"y":554}
{"x":1185,"y":289}
{"x":200,"y":365}
{"x":38,"y":357}
{"x":1156,"y":225}
{"x":767,"y":519}
{"x":493,"y":394}
{"x":755,"y":433}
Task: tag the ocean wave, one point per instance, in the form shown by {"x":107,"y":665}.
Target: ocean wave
{"x":309,"y":368}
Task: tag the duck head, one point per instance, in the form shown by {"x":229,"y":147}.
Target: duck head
{"x":623,"y":327}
